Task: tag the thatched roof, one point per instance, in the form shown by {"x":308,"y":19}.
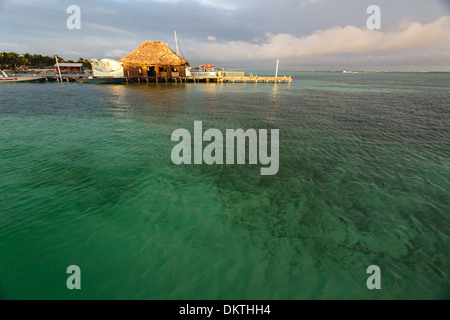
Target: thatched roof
{"x":154,"y":53}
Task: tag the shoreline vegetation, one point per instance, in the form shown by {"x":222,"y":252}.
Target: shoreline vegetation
{"x":21,"y":62}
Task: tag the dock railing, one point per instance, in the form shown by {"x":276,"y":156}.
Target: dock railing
{"x":231,"y":74}
{"x":203,"y":74}
{"x":217,"y":74}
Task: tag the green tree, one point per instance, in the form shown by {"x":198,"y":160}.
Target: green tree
{"x":26,"y":59}
{"x":12,"y":60}
{"x":86,"y":63}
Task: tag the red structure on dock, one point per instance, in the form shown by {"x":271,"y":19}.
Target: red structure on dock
{"x":70,"y":67}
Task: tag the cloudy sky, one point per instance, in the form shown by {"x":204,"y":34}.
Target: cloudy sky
{"x":303,"y":34}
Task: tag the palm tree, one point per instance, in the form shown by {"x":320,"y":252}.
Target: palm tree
{"x":13,"y":59}
{"x":26,"y":59}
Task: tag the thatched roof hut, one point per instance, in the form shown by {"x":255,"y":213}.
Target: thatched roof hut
{"x":154,"y":53}
{"x":154,"y":59}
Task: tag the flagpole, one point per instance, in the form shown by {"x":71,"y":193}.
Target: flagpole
{"x":276,"y":72}
{"x":176,"y":43}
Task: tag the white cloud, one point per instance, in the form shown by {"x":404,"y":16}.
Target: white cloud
{"x":211,"y":38}
{"x":8,"y":44}
{"x":337,"y":40}
{"x":100,"y":27}
{"x":102,"y":10}
{"x":116,"y":53}
{"x":307,"y":2}
{"x":216,"y":4}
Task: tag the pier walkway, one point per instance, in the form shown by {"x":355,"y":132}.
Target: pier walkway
{"x":214,"y":79}
{"x":192,"y":79}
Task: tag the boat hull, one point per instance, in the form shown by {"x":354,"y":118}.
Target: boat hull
{"x":20,"y":79}
{"x":102,"y":80}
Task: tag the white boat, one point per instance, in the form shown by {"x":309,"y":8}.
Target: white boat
{"x":10,"y":79}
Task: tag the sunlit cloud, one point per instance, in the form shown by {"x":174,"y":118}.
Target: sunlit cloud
{"x":337,"y":40}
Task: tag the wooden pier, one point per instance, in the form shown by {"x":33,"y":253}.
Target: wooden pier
{"x":192,"y":79}
{"x":241,"y":79}
{"x":217,"y":79}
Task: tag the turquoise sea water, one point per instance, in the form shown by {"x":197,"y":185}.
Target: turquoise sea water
{"x":86,"y":179}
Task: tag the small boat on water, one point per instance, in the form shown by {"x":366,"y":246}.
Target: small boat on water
{"x":4,"y":78}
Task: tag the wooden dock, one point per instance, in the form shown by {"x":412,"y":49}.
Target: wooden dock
{"x":242,"y":79}
{"x":192,"y":79}
{"x":216,"y":79}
